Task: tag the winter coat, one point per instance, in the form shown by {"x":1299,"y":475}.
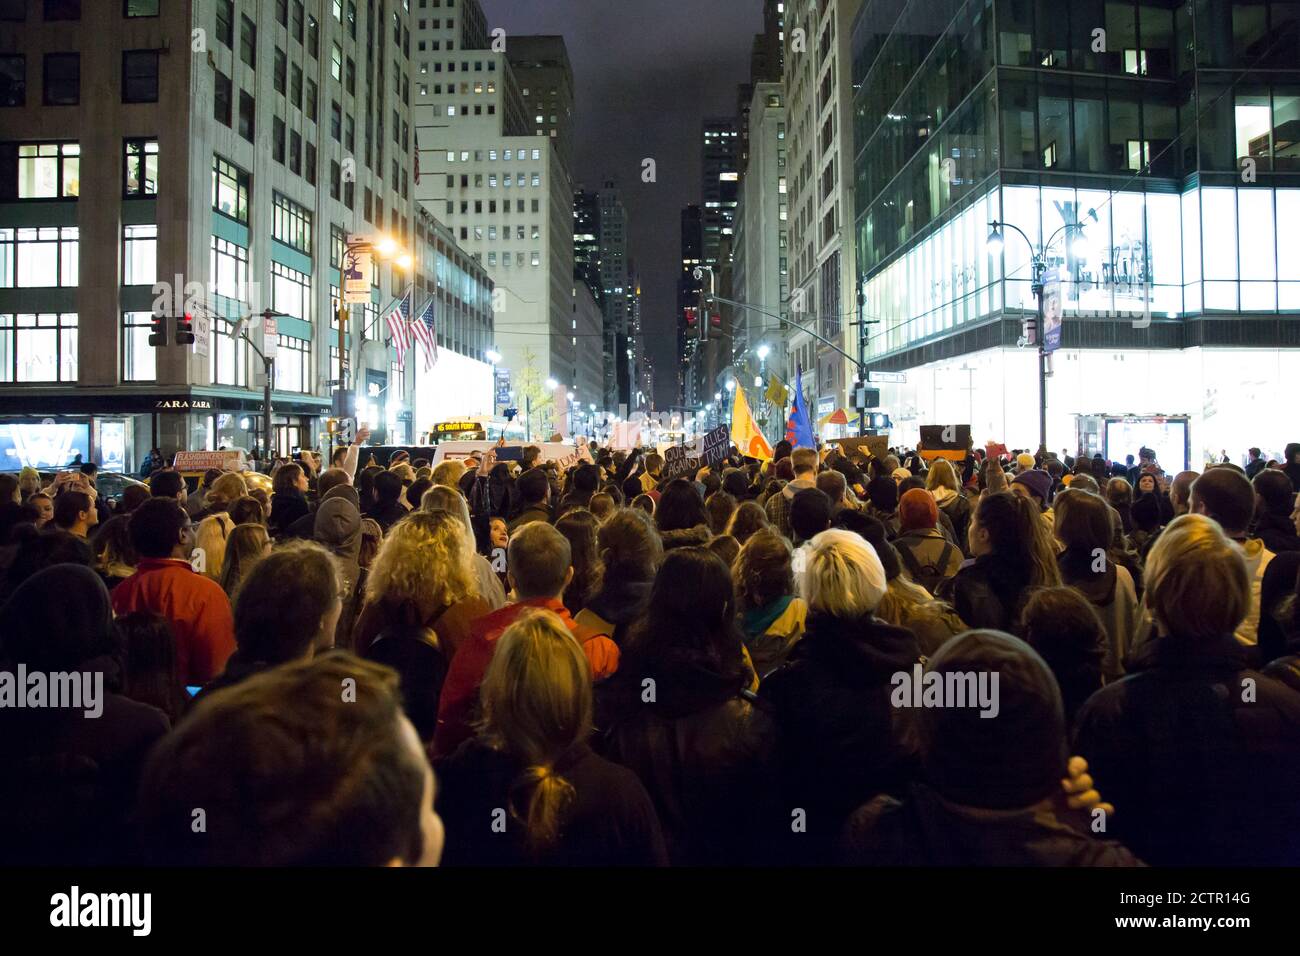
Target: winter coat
{"x":1279,"y":583}
{"x":621,"y":603}
{"x":957,"y":507}
{"x":704,"y":752}
{"x":988,"y":592}
{"x":839,"y":738}
{"x":1201,"y":752}
{"x":1114,"y":598}
{"x":337,"y":526}
{"x":772,"y":631}
{"x":927,"y":549}
{"x":1278,"y":533}
{"x":697,"y":537}
{"x":286,"y":508}
{"x":611,"y":821}
{"x":778,"y":506}
{"x":535,"y":512}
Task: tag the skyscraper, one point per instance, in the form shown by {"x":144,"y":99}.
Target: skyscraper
{"x":615,"y":283}
{"x":541,"y":66}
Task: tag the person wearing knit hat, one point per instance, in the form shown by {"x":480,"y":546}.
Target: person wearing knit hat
{"x":1034,"y":483}
{"x":831,"y":698}
{"x":1025,"y":461}
{"x":959,"y":814}
{"x":928,"y":555}
{"x":901,"y":474}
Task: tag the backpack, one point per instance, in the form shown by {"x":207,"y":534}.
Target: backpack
{"x":929,"y":576}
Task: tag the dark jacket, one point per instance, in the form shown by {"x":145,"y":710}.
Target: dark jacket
{"x":622,"y":603}
{"x":1277,"y":532}
{"x":286,"y":508}
{"x":923,"y":829}
{"x":534,"y":512}
{"x":1279,"y":583}
{"x":838,"y":741}
{"x":611,"y":821}
{"x":988,"y":592}
{"x":1198,"y":775}
{"x":697,"y":537}
{"x":704,"y":753}
{"x":387,"y":514}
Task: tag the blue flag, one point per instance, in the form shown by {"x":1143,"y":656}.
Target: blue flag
{"x":798,"y":430}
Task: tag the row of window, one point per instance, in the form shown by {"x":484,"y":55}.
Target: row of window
{"x":53,"y":170}
{"x":18,"y":10}
{"x":61,"y":78}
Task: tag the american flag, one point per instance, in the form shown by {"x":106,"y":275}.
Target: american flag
{"x":422,"y":329}
{"x":399,"y":326}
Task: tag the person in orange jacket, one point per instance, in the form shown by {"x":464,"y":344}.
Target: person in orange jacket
{"x":539,"y":565}
{"x":165,"y":583}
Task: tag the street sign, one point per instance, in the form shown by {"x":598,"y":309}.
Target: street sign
{"x":270,"y":336}
{"x":201,"y":326}
{"x":887,"y":378}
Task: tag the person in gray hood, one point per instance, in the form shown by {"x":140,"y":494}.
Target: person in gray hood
{"x":989,"y":791}
{"x":338,"y":528}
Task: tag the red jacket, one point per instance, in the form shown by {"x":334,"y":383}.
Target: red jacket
{"x":460,"y":689}
{"x":196,"y":607}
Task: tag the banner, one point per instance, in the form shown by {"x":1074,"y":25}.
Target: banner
{"x":745,"y":433}
{"x":357,"y":268}
{"x":1052,"y":308}
{"x":877,"y":446}
{"x":945,"y":441}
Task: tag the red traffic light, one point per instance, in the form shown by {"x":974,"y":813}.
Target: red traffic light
{"x":691,"y":317}
{"x":715,"y":320}
{"x":185,"y":329}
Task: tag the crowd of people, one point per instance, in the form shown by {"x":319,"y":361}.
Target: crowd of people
{"x":508,"y":663}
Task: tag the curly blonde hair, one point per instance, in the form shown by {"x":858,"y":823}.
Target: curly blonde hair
{"x":423,"y":565}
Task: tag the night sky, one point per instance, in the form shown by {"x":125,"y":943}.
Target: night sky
{"x":645,"y":73}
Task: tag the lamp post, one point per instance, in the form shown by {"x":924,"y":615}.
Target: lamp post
{"x":240,"y":331}
{"x":1038,"y":260}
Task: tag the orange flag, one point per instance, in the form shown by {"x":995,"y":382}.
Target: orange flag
{"x":744,"y":431}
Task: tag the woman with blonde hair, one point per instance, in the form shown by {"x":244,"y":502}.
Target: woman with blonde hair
{"x":567,"y":806}
{"x":839,"y":745}
{"x":1200,"y":750}
{"x":943,"y":483}
{"x":29,"y":482}
{"x":422,"y":578}
{"x":210,"y":544}
{"x":440,"y":498}
{"x":248,"y":544}
{"x":224,"y":492}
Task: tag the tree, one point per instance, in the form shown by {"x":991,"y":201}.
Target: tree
{"x":532,"y":398}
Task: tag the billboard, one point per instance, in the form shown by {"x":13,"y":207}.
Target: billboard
{"x":43,"y":444}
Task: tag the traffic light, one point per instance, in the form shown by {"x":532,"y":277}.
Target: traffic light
{"x":511,"y":413}
{"x":185,"y":329}
{"x":158,"y":331}
{"x":692,"y":317}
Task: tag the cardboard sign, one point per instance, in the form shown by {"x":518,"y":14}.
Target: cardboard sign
{"x":679,"y":460}
{"x":715,"y":445}
{"x":203,"y":460}
{"x":877,"y":446}
{"x":563,"y":455}
{"x":945,"y":441}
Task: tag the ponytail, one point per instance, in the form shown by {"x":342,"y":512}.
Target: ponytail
{"x":1016,"y":530}
{"x":543,"y":798}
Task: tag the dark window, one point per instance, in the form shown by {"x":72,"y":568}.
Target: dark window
{"x":140,"y":76}
{"x":277,"y":140}
{"x":295,"y":27}
{"x":226,"y":22}
{"x":248,"y":41}
{"x":295,"y":152}
{"x":313,"y":36}
{"x":349,"y":134}
{"x":221,"y":99}
{"x":336,"y":180}
{"x":15,"y":10}
{"x":295,"y":86}
{"x":141,"y":167}
{"x":310,"y":108}
{"x":349,"y":193}
{"x":139,"y":8}
{"x":13,"y":80}
{"x":282,"y":12}
{"x":352,"y":19}
{"x":247,"y":111}
{"x":309,"y":161}
{"x":336,"y":121}
{"x":280,"y":74}
{"x":62,"y":79}
{"x":350,"y":76}
{"x":62,"y":9}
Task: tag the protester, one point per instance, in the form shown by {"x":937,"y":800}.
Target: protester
{"x":164,"y":583}
{"x":1277,"y":508}
{"x":630,"y":552}
{"x":930,"y":558}
{"x":1193,"y":719}
{"x":248,"y":544}
{"x":579,"y":527}
{"x":44,"y":506}
{"x":942,"y":482}
{"x":803,"y":463}
{"x":388,"y":508}
{"x":1063,"y":627}
{"x":1227,"y":496}
{"x":567,"y":806}
{"x":489,"y":586}
{"x":772,"y":615}
{"x":681,"y":517}
{"x":75,"y":512}
{"x":288,"y":498}
{"x":247,"y":510}
{"x":958,"y":813}
{"x":210,"y":544}
{"x":837,"y":742}
{"x":115,"y":558}
{"x":290,"y":773}
{"x":703,"y":750}
{"x":748,"y":519}
{"x":907,"y":604}
{"x":146,"y":648}
{"x":535,"y":496}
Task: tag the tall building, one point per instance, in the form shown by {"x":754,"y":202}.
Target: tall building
{"x":767,"y":54}
{"x":502,"y":190}
{"x":721,"y":177}
{"x":586,"y":242}
{"x":541,"y":66}
{"x":588,"y":380}
{"x":688,"y":301}
{"x":819,"y":97}
{"x":760,"y":264}
{"x":1159,"y":178}
{"x":138,"y":180}
{"x":616,"y":285}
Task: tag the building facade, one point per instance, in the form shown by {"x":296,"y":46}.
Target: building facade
{"x":1157,"y":173}
{"x":541,"y":67}
{"x":615,"y":293}
{"x":819,"y":98}
{"x":500,"y":188}
{"x":213,"y":158}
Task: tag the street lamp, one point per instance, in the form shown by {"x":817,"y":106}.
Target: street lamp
{"x":1038,"y":258}
{"x":763,"y":352}
{"x":493,"y":356}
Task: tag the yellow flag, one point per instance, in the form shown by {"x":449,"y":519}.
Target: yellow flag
{"x":744,"y":432}
{"x":776,"y":392}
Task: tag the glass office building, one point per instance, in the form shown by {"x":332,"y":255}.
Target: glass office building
{"x":1170,"y":131}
